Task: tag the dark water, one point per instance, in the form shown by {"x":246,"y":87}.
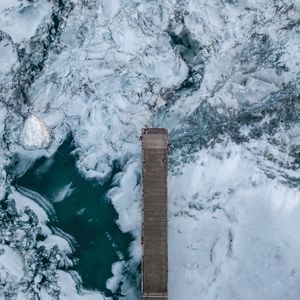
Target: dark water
{"x":84,"y":213}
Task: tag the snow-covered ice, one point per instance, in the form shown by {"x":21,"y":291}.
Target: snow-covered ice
{"x":20,"y":19}
{"x":232,"y":228}
{"x":35,"y":134}
{"x":222,"y":76}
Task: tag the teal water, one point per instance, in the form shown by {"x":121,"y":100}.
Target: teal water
{"x":85,"y":213}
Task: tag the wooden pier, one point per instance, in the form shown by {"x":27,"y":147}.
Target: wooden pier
{"x":155,"y":214}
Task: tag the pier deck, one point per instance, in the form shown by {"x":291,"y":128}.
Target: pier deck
{"x":155,"y":214}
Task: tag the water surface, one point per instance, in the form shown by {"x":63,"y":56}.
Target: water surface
{"x":82,"y":211}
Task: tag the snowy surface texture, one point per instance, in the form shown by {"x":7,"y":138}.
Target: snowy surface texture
{"x":34,"y":134}
{"x":222,"y":76}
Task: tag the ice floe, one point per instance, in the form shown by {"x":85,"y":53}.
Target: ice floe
{"x":35,"y":134}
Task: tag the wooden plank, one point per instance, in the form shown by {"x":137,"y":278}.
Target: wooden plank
{"x":155,"y":130}
{"x":155,"y":214}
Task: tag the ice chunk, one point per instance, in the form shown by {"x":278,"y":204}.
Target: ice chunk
{"x":69,"y":289}
{"x":113,"y":283}
{"x":8,"y":56}
{"x":11,"y":262}
{"x":20,"y":20}
{"x":35,"y":134}
{"x":63,"y":192}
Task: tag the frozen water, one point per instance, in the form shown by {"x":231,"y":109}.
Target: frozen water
{"x":35,"y":134}
{"x":222,"y":76}
{"x":235,"y":225}
{"x":20,"y":19}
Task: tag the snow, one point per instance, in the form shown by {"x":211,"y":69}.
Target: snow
{"x":125,"y":198}
{"x":11,"y":261}
{"x":35,"y":134}
{"x":113,"y":70}
{"x":3,"y":114}
{"x":8,"y":56}
{"x":23,"y":201}
{"x":113,"y":283}
{"x":53,"y":240}
{"x":235,"y":226}
{"x":110,"y":8}
{"x":69,"y":291}
{"x":20,"y":19}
